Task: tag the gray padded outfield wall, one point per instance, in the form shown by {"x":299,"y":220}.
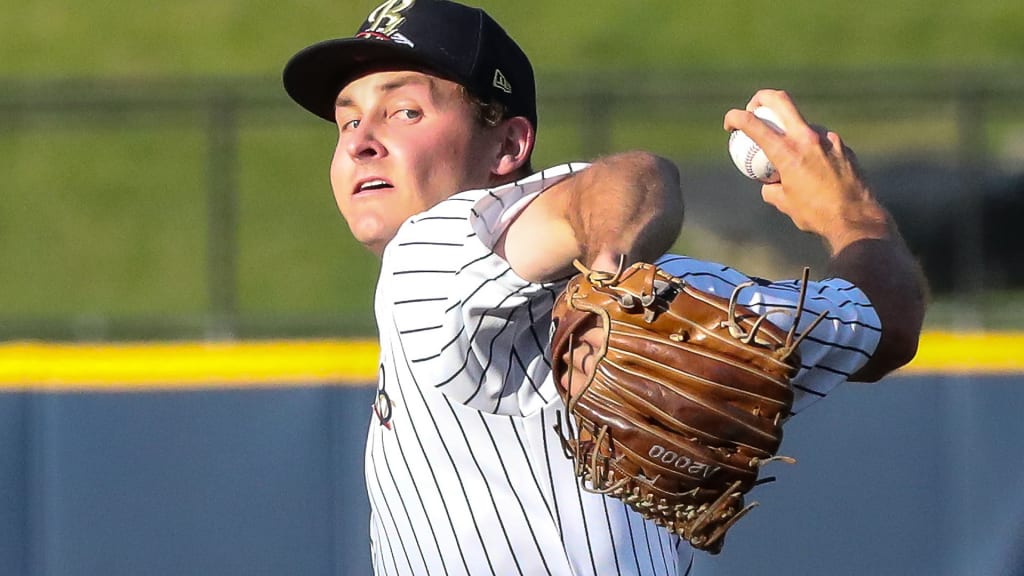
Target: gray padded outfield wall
{"x":915,"y":475}
{"x":233,"y":482}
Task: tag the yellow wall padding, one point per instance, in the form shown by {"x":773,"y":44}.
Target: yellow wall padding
{"x":196,"y":365}
{"x":189,"y":365}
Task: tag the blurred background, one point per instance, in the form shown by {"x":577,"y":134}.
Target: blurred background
{"x":158,"y":187}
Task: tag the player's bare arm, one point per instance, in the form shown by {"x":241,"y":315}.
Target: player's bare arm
{"x":625,"y":205}
{"x":822,"y":192}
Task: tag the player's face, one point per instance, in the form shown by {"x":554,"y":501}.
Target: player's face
{"x":406,"y":141}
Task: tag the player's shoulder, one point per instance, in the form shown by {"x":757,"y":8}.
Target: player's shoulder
{"x":489,"y":210}
{"x":471,"y":219}
{"x":467,"y":202}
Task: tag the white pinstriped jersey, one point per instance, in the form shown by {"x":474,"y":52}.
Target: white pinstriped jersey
{"x":464,"y":470}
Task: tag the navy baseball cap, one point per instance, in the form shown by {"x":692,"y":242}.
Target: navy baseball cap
{"x":453,"y":41}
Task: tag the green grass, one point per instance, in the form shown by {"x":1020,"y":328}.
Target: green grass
{"x":60,"y":37}
{"x":105,"y":220}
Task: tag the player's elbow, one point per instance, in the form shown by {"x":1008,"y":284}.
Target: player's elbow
{"x":630,"y":203}
{"x":657,"y":202}
{"x":896,"y":349}
{"x":652,"y":177}
{"x":901,"y":310}
{"x":663,"y":176}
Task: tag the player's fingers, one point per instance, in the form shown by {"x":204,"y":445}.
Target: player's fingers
{"x":847,"y":155}
{"x":833,"y":145}
{"x":836,"y":143}
{"x":824,"y":140}
{"x":852,"y":157}
{"x":757,"y":99}
{"x":583,"y":355}
{"x":732,"y":117}
{"x":753,"y":126}
{"x":782,"y":104}
{"x":773,"y":194}
{"x":832,"y":142}
{"x":571,"y":375}
{"x":806,"y":142}
{"x":758,"y":130}
{"x":573,"y":380}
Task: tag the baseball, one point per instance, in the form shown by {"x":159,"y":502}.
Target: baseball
{"x":748,"y":156}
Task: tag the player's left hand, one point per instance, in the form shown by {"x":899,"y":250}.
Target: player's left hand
{"x":581,"y":358}
{"x":682,"y":400}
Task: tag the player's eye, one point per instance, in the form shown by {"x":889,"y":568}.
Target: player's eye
{"x":350,"y":125}
{"x":407,"y":114}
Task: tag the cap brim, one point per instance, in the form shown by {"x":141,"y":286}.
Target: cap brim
{"x":315,"y":75}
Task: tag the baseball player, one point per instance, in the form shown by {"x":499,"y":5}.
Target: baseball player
{"x":436,"y":115}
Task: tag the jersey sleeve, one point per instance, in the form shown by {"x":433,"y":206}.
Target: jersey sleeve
{"x":469,"y":326}
{"x":837,"y":347}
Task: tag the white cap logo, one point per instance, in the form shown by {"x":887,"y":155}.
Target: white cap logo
{"x":386,"y":18}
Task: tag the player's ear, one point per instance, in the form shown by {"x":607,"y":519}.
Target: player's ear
{"x":517,"y":137}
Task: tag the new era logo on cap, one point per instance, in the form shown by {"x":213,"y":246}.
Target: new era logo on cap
{"x":453,"y":41}
{"x":502,"y":83}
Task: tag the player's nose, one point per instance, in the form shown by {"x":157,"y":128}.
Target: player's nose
{"x":362,"y":143}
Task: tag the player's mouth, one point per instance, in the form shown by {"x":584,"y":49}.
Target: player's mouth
{"x":371,"y":185}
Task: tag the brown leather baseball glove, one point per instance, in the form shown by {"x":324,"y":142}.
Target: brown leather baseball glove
{"x":680,"y":400}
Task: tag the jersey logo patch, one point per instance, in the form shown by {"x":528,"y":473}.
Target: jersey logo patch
{"x":382,"y":409}
{"x":383,"y":406}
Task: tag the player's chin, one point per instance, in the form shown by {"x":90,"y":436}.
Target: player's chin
{"x":373,"y":233}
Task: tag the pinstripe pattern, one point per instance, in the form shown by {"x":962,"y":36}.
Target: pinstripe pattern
{"x":464,"y":470}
